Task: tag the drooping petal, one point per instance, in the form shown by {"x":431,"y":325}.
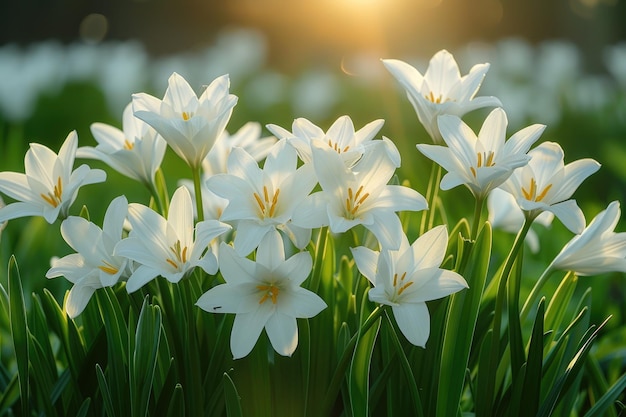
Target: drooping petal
{"x":282,"y":331}
{"x":414,"y":322}
{"x":230,"y":298}
{"x":570,"y":215}
{"x":366,"y":261}
{"x":140,"y":277}
{"x":78,"y":298}
{"x":247,"y":328}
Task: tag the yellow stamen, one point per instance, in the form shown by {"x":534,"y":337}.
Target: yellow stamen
{"x":274,"y":201}
{"x":404,"y":287}
{"x":267,"y":205}
{"x":186,"y":116}
{"x":179,"y":252}
{"x":128,"y":145}
{"x":174,"y":264}
{"x":543,"y":193}
{"x":355,"y":200}
{"x":473,"y":170}
{"x":108,"y":268}
{"x":531,"y":194}
{"x":259,"y":202}
{"x":271,"y":291}
{"x":480,"y":159}
{"x":54,"y":198}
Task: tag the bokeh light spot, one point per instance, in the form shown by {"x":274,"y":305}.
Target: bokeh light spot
{"x":93,"y":28}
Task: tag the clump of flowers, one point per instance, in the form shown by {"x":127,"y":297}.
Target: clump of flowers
{"x":307,"y":235}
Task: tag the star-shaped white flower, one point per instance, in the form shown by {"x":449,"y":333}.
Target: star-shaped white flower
{"x":408,"y":277}
{"x":93,"y":266}
{"x":190,"y":125}
{"x":506,"y":215}
{"x":598,"y":249}
{"x":546,"y":184}
{"x":265,"y":293}
{"x":49,"y":186}
{"x":168,"y":247}
{"x":441,"y":90}
{"x":480,"y":162}
{"x":261,"y":200}
{"x":136,"y":151}
{"x":360,"y":195}
{"x":341,"y":137}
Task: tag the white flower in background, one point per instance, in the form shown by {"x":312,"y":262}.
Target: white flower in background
{"x":341,"y":137}
{"x":598,"y":249}
{"x":265,"y":293}
{"x":49,"y":186}
{"x":480,"y":162}
{"x":168,"y":247}
{"x":93,"y":266}
{"x":358,"y":196}
{"x":506,"y":215}
{"x":546,"y":184}
{"x":262,"y":200}
{"x":247,"y":137}
{"x":136,"y":151}
{"x":441,"y":90}
{"x":315,"y":93}
{"x":190,"y":125}
{"x":408,"y":277}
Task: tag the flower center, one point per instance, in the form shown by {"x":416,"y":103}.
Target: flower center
{"x":437,"y":100}
{"x":399,"y":285}
{"x":336,"y":146}
{"x":180,"y":255}
{"x":485,"y":157}
{"x":267,"y":205}
{"x":128,"y":145}
{"x":531,"y":194}
{"x":108,"y":268}
{"x":54,"y":198}
{"x":186,"y":116}
{"x":354,"y":201}
{"x":269,"y":292}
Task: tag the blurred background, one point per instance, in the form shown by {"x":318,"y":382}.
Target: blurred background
{"x":65,"y":64}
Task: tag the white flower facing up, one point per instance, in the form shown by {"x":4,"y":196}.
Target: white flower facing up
{"x":341,"y":137}
{"x":506,"y":215}
{"x":136,"y":151}
{"x":49,"y":186}
{"x":265,"y":293}
{"x":408,"y":277}
{"x":190,"y":125}
{"x":261,"y":200}
{"x":441,"y":90}
{"x":598,"y":249}
{"x":360,"y":195}
{"x":93,"y":266}
{"x":168,"y":247}
{"x":546,"y":184}
{"x":480,"y":162}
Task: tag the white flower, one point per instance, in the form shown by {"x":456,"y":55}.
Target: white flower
{"x":167,"y":247}
{"x":49,"y":186}
{"x":265,"y":293}
{"x":94,"y":265}
{"x":408,"y":277}
{"x":480,"y":162}
{"x":341,"y":137}
{"x":506,"y":215}
{"x":261,"y":200}
{"x":441,"y":90}
{"x":190,"y":125}
{"x":247,"y":137}
{"x":598,"y":249}
{"x":136,"y":151}
{"x":546,"y":184}
{"x":360,"y":195}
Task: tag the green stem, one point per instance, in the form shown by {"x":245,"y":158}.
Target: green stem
{"x":344,"y":361}
{"x":497,"y":319}
{"x":534,"y":293}
{"x":431,"y":197}
{"x":197,"y":187}
{"x":478,"y":209}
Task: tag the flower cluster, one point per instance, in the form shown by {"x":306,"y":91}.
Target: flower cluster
{"x":252,"y":224}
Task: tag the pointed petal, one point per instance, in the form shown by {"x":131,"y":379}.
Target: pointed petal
{"x":414,"y":322}
{"x":77,"y":299}
{"x":282,"y":331}
{"x":230,"y":299}
{"x":247,"y":328}
{"x":387,"y":229}
{"x":301,"y":303}
{"x":235,"y":269}
{"x":271,"y":251}
{"x":140,"y":277}
{"x":366,"y":261}
{"x":570,"y":215}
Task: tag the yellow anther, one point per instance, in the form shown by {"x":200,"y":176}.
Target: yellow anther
{"x":108,"y":268}
{"x":128,"y":145}
{"x":355,"y":200}
{"x":404,"y":287}
{"x":54,"y":198}
{"x":179,"y":252}
{"x":270,"y":291}
{"x":267,"y":205}
{"x":186,"y":116}
{"x":531,"y":194}
{"x":174,"y":264}
{"x":543,"y":193}
{"x":473,"y":171}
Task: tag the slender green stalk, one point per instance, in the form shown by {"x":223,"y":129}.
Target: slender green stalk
{"x":157,"y":199}
{"x":197,"y":187}
{"x":478,"y":209}
{"x":497,"y":319}
{"x":428,"y":218}
{"x":534,"y":293}
{"x":344,"y":361}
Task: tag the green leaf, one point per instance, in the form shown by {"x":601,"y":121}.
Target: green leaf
{"x":608,"y":399}
{"x":84,"y":213}
{"x":516,"y":342}
{"x":84,"y":408}
{"x":19,"y":332}
{"x":458,"y":339}
{"x":177,"y":405}
{"x":359,"y":373}
{"x":231,"y":397}
{"x":560,"y":301}
{"x":534,"y":368}
{"x":105,"y":392}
